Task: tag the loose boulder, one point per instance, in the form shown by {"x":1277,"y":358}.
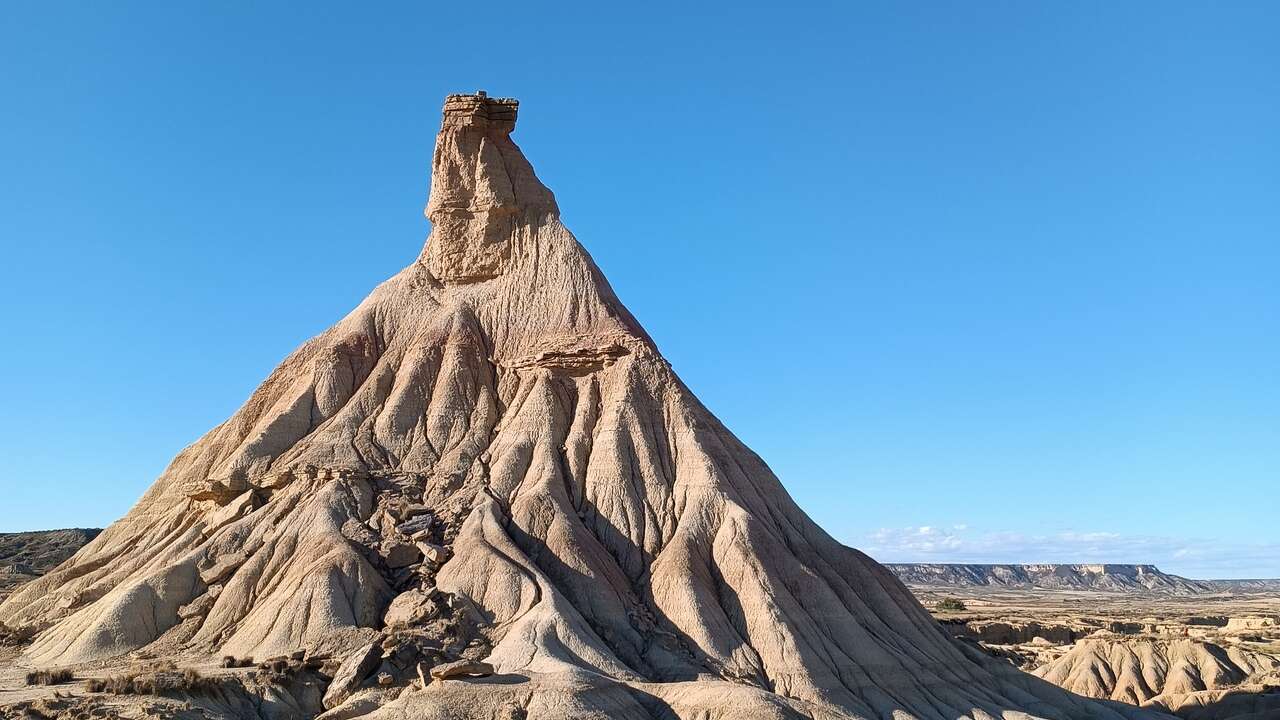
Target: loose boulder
{"x":400,"y":554}
{"x":352,"y":673}
{"x":410,"y":607}
{"x":461,"y":668}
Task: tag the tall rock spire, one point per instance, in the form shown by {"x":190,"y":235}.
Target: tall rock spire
{"x":487,"y":459}
{"x":482,"y":190}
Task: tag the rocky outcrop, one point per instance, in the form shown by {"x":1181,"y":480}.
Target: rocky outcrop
{"x":1111,"y":578}
{"x":1269,"y":623}
{"x":1246,"y":702}
{"x":1005,"y":632}
{"x":493,"y":432}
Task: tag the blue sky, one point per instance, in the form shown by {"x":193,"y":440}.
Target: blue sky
{"x":990,"y":281}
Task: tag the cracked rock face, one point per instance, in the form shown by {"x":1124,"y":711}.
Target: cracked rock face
{"x":579,"y":520}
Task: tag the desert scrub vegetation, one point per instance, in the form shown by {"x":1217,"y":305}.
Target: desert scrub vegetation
{"x":50,"y":677}
{"x":230,"y":661}
{"x":151,"y":683}
{"x":951,"y":604}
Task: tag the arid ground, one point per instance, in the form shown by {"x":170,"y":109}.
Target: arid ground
{"x":1202,"y":651}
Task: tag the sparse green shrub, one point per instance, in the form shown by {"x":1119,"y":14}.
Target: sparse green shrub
{"x":950,"y":604}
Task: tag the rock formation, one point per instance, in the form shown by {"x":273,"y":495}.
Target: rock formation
{"x":492,"y":450}
{"x":1113,"y":578}
{"x":1168,"y":672}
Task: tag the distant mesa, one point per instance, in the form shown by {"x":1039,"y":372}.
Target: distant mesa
{"x":1092,"y":577}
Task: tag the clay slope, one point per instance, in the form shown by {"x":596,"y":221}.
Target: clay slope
{"x":1168,"y":672}
{"x":493,"y":442}
{"x":1109,"y":578}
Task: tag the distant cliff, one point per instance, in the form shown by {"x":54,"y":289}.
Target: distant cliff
{"x":1110,"y":578}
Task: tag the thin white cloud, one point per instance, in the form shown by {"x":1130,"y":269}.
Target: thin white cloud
{"x":1185,"y":556}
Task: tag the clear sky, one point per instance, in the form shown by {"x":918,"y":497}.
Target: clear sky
{"x":982,"y":281}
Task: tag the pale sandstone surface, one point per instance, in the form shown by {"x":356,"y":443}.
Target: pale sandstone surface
{"x":493,"y":432}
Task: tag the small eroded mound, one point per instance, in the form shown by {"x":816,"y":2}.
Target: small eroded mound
{"x":1150,"y":671}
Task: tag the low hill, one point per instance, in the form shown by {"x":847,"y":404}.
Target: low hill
{"x":27,"y":555}
{"x":1259,"y":585}
{"x":1172,"y":673}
